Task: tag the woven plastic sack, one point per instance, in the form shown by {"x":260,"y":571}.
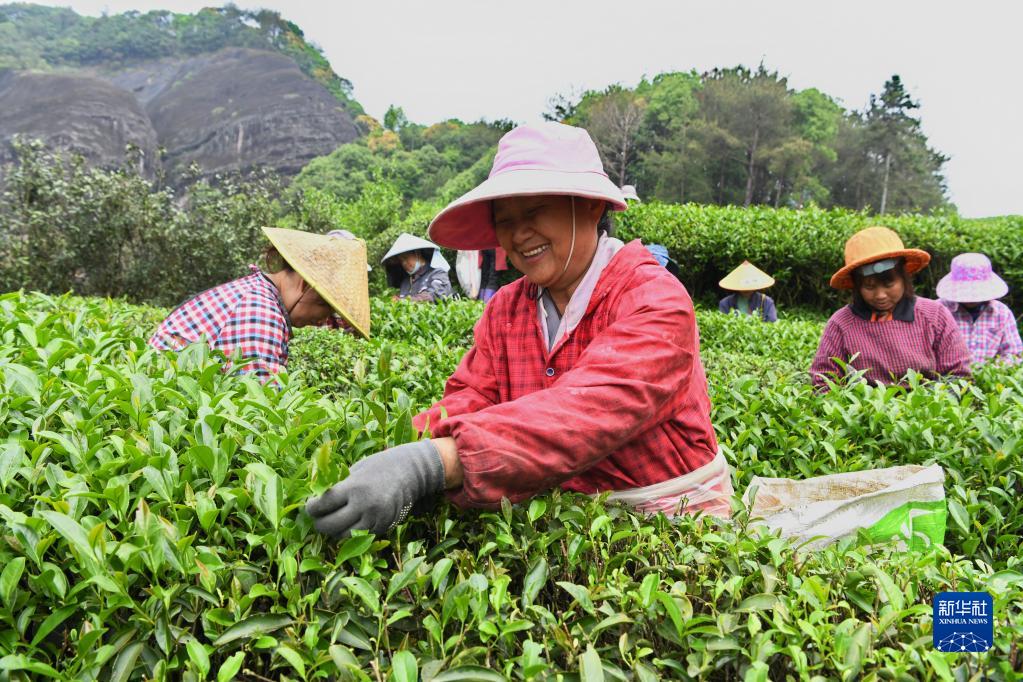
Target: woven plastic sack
{"x":905,"y":504}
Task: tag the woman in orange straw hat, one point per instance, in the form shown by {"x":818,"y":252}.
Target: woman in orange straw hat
{"x":887,"y":330}
{"x":318,"y":276}
{"x":748,"y":281}
{"x":585,"y":373}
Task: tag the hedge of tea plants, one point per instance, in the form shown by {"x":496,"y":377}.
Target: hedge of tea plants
{"x":803,"y":248}
{"x":152,"y":525}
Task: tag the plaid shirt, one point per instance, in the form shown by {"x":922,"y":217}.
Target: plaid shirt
{"x":922,"y":336}
{"x":994,"y":333}
{"x":244,"y":315}
{"x":621,"y":402}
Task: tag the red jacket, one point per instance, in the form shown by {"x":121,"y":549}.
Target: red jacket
{"x":619,"y":403}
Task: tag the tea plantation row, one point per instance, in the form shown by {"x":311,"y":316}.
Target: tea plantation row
{"x":150,"y":511}
{"x":802,"y":248}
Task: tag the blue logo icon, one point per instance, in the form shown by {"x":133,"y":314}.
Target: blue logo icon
{"x":963,"y":622}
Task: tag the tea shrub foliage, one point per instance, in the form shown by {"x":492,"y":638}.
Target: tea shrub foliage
{"x":152,"y":524}
{"x":802,"y":248}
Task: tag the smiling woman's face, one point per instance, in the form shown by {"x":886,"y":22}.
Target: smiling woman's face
{"x":536,"y":232}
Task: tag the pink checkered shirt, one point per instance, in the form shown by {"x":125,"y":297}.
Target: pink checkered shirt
{"x":922,"y":336}
{"x":993,"y":335}
{"x":245,"y":315}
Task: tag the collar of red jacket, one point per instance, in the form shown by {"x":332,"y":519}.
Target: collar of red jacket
{"x":621,"y":266}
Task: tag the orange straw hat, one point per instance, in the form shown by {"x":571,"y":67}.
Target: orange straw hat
{"x":872,"y":244}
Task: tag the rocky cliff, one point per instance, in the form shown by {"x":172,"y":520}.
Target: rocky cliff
{"x":83,"y":114}
{"x":233,"y":110}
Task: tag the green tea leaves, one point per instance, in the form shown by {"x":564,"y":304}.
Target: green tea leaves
{"x":267,"y":491}
{"x":251,"y":627}
{"x":9,"y":579}
{"x":534,"y":581}
{"x":152,"y":522}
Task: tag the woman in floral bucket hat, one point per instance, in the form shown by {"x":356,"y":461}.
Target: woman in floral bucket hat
{"x":887,"y":330}
{"x":970,"y":291}
{"x":585,"y":373}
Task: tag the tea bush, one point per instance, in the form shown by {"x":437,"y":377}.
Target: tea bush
{"x":802,"y":249}
{"x":152,"y":523}
{"x":65,"y":226}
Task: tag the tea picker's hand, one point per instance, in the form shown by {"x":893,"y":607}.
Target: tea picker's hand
{"x":379,"y":491}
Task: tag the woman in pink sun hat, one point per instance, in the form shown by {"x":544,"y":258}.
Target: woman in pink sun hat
{"x":970,"y":291}
{"x":585,"y":373}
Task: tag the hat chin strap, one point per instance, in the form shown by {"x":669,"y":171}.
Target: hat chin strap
{"x":295,"y":304}
{"x":571,"y":249}
{"x":568,"y":261}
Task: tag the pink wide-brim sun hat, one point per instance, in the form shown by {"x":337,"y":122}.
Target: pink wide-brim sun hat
{"x":971,"y":280}
{"x":532,"y":160}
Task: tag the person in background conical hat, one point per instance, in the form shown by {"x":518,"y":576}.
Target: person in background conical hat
{"x":417,"y":269}
{"x":748,"y":281}
{"x":887,"y":330}
{"x":253,"y":316}
{"x":970,"y":292}
{"x":629,"y":193}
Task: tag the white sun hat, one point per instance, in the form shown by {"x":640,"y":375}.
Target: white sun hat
{"x":532,"y":160}
{"x":409,"y":242}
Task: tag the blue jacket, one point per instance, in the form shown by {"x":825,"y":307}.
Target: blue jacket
{"x":757,"y":301}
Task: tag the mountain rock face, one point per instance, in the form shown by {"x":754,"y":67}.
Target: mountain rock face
{"x":83,"y":114}
{"x":233,"y":110}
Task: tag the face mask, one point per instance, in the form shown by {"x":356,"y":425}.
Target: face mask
{"x":416,"y":268}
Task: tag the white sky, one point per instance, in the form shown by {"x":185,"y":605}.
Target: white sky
{"x":471,"y":59}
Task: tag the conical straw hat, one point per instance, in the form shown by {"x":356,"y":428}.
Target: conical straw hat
{"x":333,"y":266}
{"x":746,"y":277}
{"x":408,"y":242}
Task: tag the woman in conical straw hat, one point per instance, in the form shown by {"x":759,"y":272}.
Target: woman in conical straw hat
{"x":970,"y":292}
{"x":748,"y":282}
{"x":585,"y":373}
{"x":416,"y":268}
{"x":887,"y":330}
{"x":253,"y":316}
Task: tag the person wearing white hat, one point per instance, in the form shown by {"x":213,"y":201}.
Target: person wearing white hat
{"x":417,"y":269}
{"x":748,"y":282}
{"x":252,"y":317}
{"x":970,"y":292}
{"x":629,"y":193}
{"x":585,"y":373}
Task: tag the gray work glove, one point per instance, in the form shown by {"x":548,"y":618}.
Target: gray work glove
{"x":380,"y":490}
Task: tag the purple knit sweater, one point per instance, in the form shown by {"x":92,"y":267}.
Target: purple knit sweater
{"x":926,"y":339}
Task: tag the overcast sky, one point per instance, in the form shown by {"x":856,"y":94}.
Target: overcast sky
{"x":480,"y":59}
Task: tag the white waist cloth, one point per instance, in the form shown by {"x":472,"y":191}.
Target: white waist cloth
{"x":706,"y":489}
